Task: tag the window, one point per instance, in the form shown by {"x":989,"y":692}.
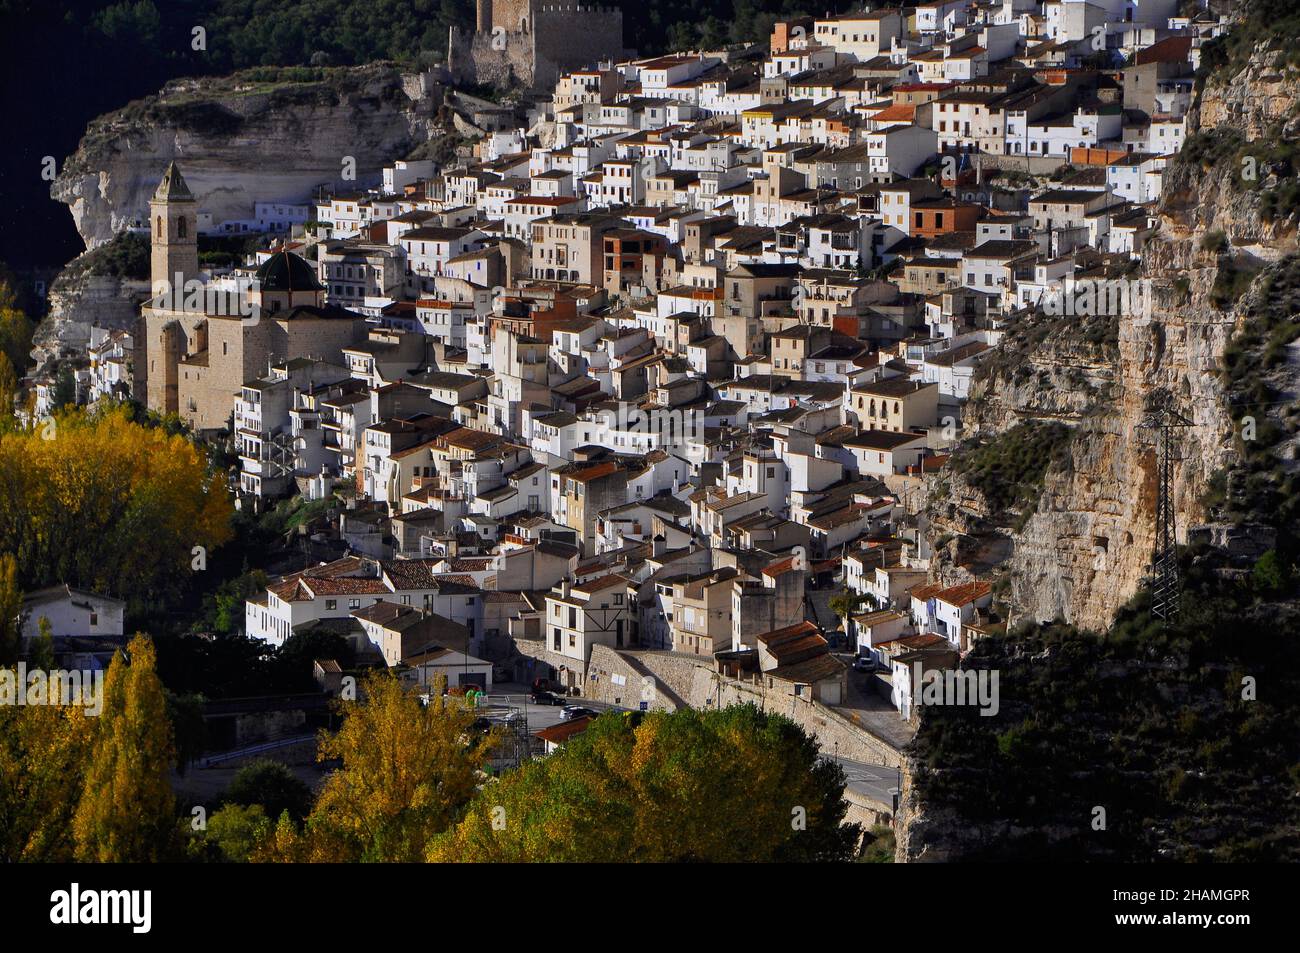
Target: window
{"x":354,"y":603}
{"x":94,"y":618}
{"x":331,"y":605}
{"x":618,"y":598}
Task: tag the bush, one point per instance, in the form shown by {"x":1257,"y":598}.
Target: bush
{"x":1008,"y":469}
{"x":271,"y":785}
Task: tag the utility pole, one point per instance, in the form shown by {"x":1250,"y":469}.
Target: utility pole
{"x":1163,"y":418}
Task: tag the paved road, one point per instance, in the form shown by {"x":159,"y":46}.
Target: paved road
{"x":864,"y":706}
{"x":514,"y":696}
{"x":875,"y":781}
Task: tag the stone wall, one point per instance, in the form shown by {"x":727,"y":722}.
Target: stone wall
{"x":688,"y":680}
{"x":606,"y":670}
{"x":534,"y":51}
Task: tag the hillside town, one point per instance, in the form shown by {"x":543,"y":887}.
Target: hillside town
{"x":639,"y":399}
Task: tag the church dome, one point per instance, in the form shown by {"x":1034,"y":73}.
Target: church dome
{"x":285,"y":271}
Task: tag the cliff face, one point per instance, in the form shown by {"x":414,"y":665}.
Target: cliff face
{"x":1085,"y":549}
{"x":261,"y":136}
{"x":80,"y":300}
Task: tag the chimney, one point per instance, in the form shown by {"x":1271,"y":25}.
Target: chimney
{"x":657,"y":546}
{"x":565,"y":587}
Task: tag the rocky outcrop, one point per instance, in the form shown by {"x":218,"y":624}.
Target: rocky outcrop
{"x":80,"y":300}
{"x":259,"y":135}
{"x":1085,"y":549}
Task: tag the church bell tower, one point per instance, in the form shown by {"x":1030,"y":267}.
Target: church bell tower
{"x":174,"y":226}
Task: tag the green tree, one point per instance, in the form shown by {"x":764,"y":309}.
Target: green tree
{"x":737,"y":785}
{"x":231,"y":835}
{"x":189,"y":729}
{"x":1270,"y":574}
{"x":65,"y":389}
{"x":272,"y":786}
{"x":40,"y":654}
{"x":126,"y":809}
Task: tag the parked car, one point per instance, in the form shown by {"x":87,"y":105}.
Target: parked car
{"x":547,"y":698}
{"x":864,"y":664}
{"x":571,"y":712}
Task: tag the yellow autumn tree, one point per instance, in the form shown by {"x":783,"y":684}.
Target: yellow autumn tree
{"x":8,"y":390}
{"x":127,"y":805}
{"x":98,"y":501}
{"x":43,"y":754}
{"x":16,"y":329}
{"x":11,"y":604}
{"x":407,"y":771}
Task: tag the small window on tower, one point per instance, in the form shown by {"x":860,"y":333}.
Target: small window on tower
{"x":180,"y":227}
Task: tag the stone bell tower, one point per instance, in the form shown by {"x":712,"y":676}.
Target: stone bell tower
{"x":174,"y":225}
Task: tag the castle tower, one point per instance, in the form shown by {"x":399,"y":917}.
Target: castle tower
{"x":174,"y":225}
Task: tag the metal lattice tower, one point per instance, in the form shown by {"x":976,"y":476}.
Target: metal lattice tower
{"x":1163,"y":418}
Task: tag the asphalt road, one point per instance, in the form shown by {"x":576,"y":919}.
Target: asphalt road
{"x":514,"y":696}
{"x":876,"y":781}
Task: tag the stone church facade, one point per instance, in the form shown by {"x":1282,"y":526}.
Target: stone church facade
{"x":197,"y":358}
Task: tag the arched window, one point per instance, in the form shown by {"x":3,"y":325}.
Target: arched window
{"x":159,"y":228}
{"x":873,"y":408}
{"x":180,"y":227}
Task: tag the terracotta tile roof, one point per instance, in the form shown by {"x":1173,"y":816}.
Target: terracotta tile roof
{"x":603,"y":582}
{"x":965,"y":593}
{"x":558,"y":734}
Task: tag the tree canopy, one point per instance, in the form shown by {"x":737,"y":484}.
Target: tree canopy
{"x":736,"y":785}
{"x":100,"y":502}
{"x":407,"y":770}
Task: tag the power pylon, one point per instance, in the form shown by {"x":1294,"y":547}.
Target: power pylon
{"x":1163,"y":418}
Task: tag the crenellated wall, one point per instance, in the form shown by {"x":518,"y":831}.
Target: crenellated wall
{"x":531,"y":43}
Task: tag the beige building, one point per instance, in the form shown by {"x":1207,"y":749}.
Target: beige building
{"x":203,"y":342}
{"x":896,"y":404}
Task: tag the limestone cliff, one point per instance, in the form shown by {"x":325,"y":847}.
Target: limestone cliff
{"x":272,"y":135}
{"x":80,"y":300}
{"x":1083,"y":550}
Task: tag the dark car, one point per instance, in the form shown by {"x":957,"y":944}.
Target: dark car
{"x":546,"y":698}
{"x":571,"y":712}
